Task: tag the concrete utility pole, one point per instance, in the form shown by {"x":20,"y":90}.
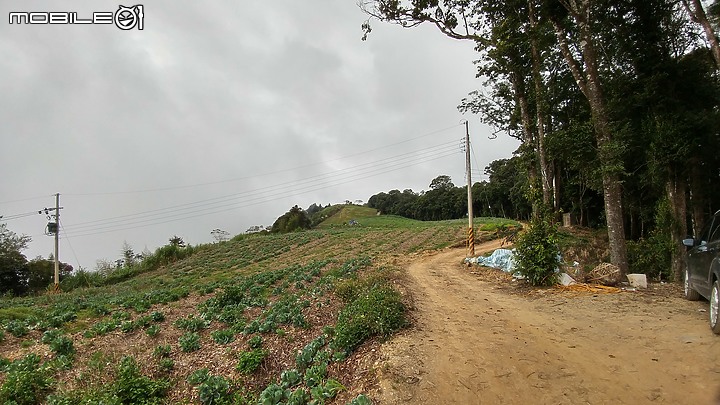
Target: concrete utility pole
{"x":471,"y":231}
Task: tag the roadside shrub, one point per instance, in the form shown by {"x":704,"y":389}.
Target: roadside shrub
{"x":27,"y":381}
{"x":379,"y":312}
{"x":536,"y":251}
{"x":250,"y":361}
{"x":189,"y":342}
{"x":651,"y":256}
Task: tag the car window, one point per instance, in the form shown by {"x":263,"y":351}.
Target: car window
{"x":705,"y":234}
{"x":715,"y":235}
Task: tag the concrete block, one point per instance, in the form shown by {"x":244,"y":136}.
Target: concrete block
{"x":637,"y":280}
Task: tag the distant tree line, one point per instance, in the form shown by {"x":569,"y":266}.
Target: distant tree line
{"x":18,"y":276}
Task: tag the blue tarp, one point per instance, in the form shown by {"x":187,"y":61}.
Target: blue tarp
{"x":499,"y":259}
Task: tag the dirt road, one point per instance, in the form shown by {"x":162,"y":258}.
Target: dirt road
{"x":476,"y":342}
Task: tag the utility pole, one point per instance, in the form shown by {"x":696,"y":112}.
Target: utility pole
{"x":57,"y":242}
{"x":471,"y":231}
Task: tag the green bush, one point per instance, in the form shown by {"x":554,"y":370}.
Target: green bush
{"x":379,"y":312}
{"x":189,"y":342}
{"x":250,"y":361}
{"x":651,"y":256}
{"x":536,"y":251}
{"x":27,"y":381}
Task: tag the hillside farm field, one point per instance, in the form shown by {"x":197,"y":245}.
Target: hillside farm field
{"x":379,"y":312}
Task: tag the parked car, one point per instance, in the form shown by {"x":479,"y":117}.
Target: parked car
{"x":702,"y":275}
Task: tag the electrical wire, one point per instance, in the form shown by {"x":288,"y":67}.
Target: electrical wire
{"x":17,"y":216}
{"x":22,"y":200}
{"x":264,"y":174}
{"x":253,"y":201}
{"x":70,"y":244}
{"x":375,"y":165}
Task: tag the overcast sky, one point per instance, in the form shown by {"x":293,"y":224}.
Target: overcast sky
{"x":220,"y":114}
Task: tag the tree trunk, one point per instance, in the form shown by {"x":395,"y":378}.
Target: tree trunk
{"x":589,"y":83}
{"x":697,"y":14}
{"x":528,"y":135}
{"x":676,"y":189}
{"x":697,"y":200}
{"x":545,"y":167}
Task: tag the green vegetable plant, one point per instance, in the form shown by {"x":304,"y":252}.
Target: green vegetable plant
{"x":251,"y":360}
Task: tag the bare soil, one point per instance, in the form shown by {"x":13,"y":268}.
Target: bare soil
{"x":480,"y":338}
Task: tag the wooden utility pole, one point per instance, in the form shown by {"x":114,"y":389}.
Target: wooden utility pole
{"x":471,"y":231}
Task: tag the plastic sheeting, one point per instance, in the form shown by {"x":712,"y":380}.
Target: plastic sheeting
{"x":502,"y":259}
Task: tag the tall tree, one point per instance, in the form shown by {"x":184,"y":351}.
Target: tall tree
{"x":697,"y":14}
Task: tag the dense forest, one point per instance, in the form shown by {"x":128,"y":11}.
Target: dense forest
{"x":616,"y":105}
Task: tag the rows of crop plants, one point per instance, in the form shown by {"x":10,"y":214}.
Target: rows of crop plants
{"x":248,"y":305}
{"x":243,"y":313}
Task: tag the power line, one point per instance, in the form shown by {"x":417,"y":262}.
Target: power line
{"x":18,"y":216}
{"x":374,"y":166}
{"x":70,"y":244}
{"x":264,"y":174}
{"x":253,"y":201}
{"x":23,"y":199}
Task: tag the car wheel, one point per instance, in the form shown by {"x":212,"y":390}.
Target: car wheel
{"x":690,"y":294}
{"x":715,"y":307}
